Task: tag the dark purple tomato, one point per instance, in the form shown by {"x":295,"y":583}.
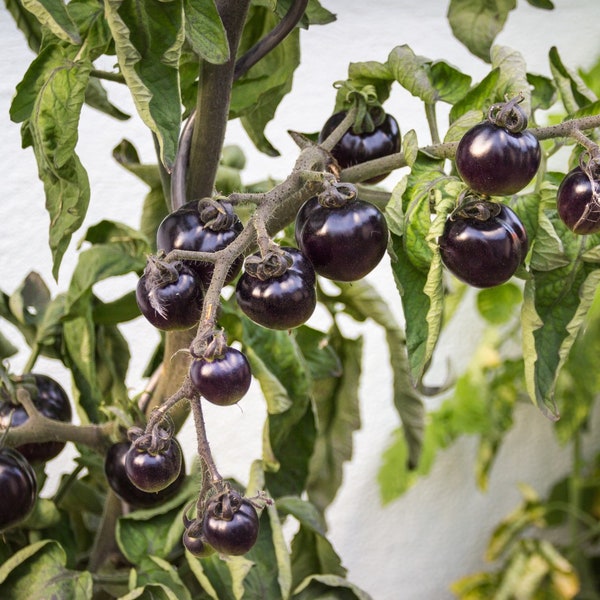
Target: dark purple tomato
{"x":52,"y":401}
{"x":18,"y":488}
{"x":194,"y":542}
{"x":493,"y":161}
{"x":184,"y":229}
{"x":230,"y":524}
{"x":174,"y":305}
{"x":154,"y":472}
{"x":355,"y":148}
{"x":282,"y":302}
{"x":578,"y":202}
{"x":116,"y":475}
{"x":342,"y":243}
{"x":223,"y":380}
{"x":484,"y":244}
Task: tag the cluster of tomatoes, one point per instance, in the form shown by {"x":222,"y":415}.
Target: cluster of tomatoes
{"x":18,"y":481}
{"x":338,"y":236}
{"x":484,"y":242}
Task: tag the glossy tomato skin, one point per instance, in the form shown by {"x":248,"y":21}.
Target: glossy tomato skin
{"x":195,"y":544}
{"x":181,"y":301}
{"x":577,"y":206}
{"x":154,"y":472}
{"x":342,"y":243}
{"x":281,"y":302}
{"x":183,"y":229}
{"x":118,"y":480}
{"x":355,"y":148}
{"x":234,"y":534}
{"x":223,"y":380}
{"x":496,"y":162}
{"x":18,"y":488}
{"x":52,"y":401}
{"x":484,"y":252}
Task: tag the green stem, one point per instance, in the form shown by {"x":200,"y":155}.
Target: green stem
{"x":432,"y":122}
{"x":104,"y":542}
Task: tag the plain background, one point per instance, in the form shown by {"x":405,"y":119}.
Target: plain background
{"x":414,"y":547}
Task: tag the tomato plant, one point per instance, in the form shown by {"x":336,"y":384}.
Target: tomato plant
{"x":289,"y":268}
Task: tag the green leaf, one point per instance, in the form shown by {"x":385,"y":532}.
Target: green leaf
{"x":543,"y":95}
{"x":321,"y":586}
{"x":304,"y":512}
{"x":26,"y":22}
{"x":313,"y":553}
{"x":154,"y":571}
{"x":49,"y":100}
{"x":7,"y":348}
{"x":497,"y":305}
{"x":480,"y":96}
{"x":412,"y":73}
{"x":145,"y":533}
{"x":96,"y":97}
{"x":361,"y":297}
{"x":571,"y":87}
{"x":38,"y":571}
{"x":53,"y":15}
{"x":513,"y":75}
{"x":151,"y":591}
{"x":554,"y":308}
{"x":204,"y":30}
{"x":545,"y":4}
{"x":148,"y":38}
{"x":338,"y":417}
{"x":462,"y":124}
{"x":278,"y":352}
{"x":579,"y":382}
{"x":476,"y":23}
{"x":256,"y":95}
{"x":30,"y":299}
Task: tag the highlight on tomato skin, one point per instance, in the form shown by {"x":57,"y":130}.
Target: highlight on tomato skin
{"x":343,"y":243}
{"x":280,"y":302}
{"x":18,"y":488}
{"x":578,"y":202}
{"x":224,"y":379}
{"x":484,"y":251}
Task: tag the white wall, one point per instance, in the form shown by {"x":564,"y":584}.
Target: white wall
{"x":413,"y":548}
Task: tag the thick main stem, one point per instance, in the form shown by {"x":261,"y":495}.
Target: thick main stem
{"x":212,"y":106}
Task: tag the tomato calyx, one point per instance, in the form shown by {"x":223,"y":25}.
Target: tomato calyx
{"x":369,"y":111}
{"x":476,"y":208}
{"x":216,"y":214}
{"x":509,"y":115}
{"x":274,"y":263}
{"x":337,"y":195}
{"x":155,"y":442}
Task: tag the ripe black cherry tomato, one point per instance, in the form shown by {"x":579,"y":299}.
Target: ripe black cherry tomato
{"x":342,"y":243}
{"x":51,"y":400}
{"x":499,"y":156}
{"x":280,"y":302}
{"x":153,"y":472}
{"x":18,"y":488}
{"x":483,"y":243}
{"x":224,"y":379}
{"x":578,"y":202}
{"x":230,"y":524}
{"x":170,"y":305}
{"x":201,"y":228}
{"x":194,"y":542}
{"x":116,"y":475}
{"x":355,"y":148}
